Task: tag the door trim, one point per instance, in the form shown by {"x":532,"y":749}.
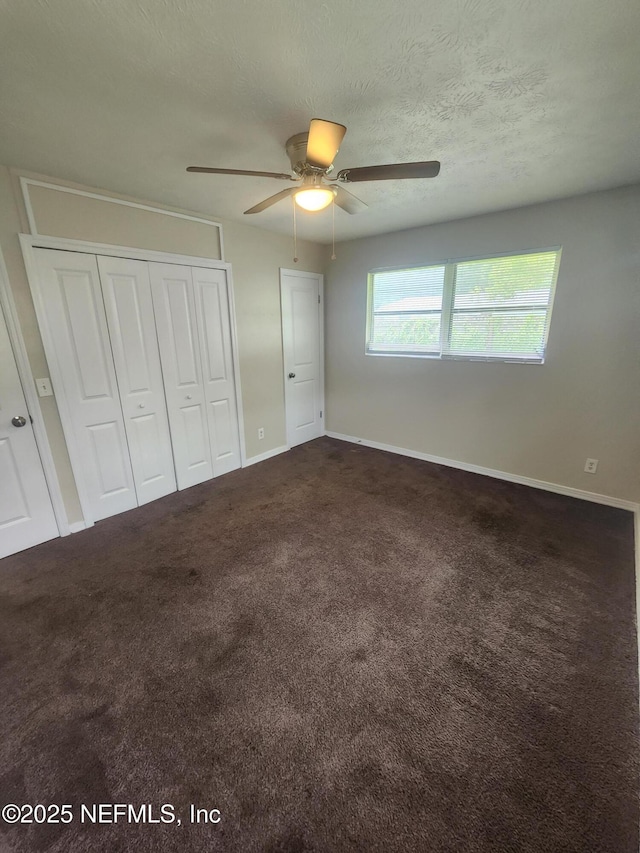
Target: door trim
{"x":8,"y":308}
{"x":29,"y":243}
{"x":41,"y":241}
{"x":235,"y":355}
{"x":320,"y":277}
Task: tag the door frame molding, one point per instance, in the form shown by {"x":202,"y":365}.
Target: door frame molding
{"x":320,"y":277}
{"x":29,"y":243}
{"x":10,"y":312}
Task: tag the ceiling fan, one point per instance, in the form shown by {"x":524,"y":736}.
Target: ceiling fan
{"x":311,"y":155}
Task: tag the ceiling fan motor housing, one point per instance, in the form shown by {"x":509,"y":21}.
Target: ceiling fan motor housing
{"x":296,"y":147}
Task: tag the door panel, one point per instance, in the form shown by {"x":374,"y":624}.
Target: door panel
{"x":72,"y":297}
{"x":216,"y":368}
{"x":197,"y":444}
{"x":145,"y":436}
{"x":26,"y":512}
{"x":214,"y":327}
{"x":301,"y":331}
{"x":109,"y":456}
{"x":304,"y":402}
{"x":129,"y":308}
{"x":224,"y":435}
{"x":13,"y":501}
{"x":86,"y":343}
{"x":175,"y":311}
{"x":304,"y":322}
{"x":182,"y":329}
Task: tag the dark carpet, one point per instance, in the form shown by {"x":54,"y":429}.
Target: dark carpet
{"x":341,"y":650}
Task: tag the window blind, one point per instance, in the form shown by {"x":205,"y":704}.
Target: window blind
{"x":407,"y":310}
{"x":489,"y":308}
{"x":500,"y":307}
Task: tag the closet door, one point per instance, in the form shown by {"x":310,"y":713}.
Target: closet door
{"x":72,"y":299}
{"x":214,"y":328}
{"x":175,"y":311}
{"x":127,"y":300}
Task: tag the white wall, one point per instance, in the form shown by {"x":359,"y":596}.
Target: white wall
{"x":255,"y":256}
{"x":539,"y":421}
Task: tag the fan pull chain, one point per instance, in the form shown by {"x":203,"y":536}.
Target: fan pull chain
{"x":333,"y":229}
{"x":295,"y":233}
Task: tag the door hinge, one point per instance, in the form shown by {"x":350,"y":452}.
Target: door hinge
{"x":320,"y":412}
{"x":318,"y":299}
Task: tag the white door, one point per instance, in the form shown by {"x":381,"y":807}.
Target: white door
{"x":302,"y":345}
{"x":72,"y":299}
{"x":127,"y":300}
{"x":26,"y":513}
{"x":214,"y":332}
{"x":175,"y":311}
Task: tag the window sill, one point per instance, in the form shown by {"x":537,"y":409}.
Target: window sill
{"x":438,"y":357}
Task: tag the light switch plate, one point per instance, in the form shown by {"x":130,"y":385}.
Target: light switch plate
{"x":44,"y":387}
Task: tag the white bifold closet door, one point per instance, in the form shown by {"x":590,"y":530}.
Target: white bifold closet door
{"x":72,"y":301}
{"x":127,"y":299}
{"x":175,"y":311}
{"x":214,"y":332}
{"x":193,"y":323}
{"x":143,"y":352}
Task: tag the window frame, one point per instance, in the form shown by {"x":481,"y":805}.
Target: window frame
{"x":448,"y":293}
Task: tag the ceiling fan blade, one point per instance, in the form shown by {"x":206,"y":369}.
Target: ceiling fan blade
{"x":393,"y":171}
{"x":273,"y":199}
{"x":347,"y":201}
{"x":324,"y":141}
{"x":280,"y":175}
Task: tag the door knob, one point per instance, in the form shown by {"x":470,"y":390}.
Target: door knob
{"x":188,"y":397}
{"x":292,"y":376}
{"x":18,"y":421}
{"x":141,"y":405}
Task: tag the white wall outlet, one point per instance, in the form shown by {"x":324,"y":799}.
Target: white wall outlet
{"x":591,"y":466}
{"x":44,"y":387}
{"x":261,"y":433}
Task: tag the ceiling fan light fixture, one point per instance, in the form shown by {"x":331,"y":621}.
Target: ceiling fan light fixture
{"x":311,"y":155}
{"x":314,"y":198}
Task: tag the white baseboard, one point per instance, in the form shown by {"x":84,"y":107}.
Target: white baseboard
{"x":266,"y":455}
{"x":77,"y":526}
{"x":571,"y":492}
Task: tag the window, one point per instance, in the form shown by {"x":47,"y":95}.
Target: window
{"x":490,"y":308}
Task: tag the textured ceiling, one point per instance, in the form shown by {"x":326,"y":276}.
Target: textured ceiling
{"x":521,"y":100}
